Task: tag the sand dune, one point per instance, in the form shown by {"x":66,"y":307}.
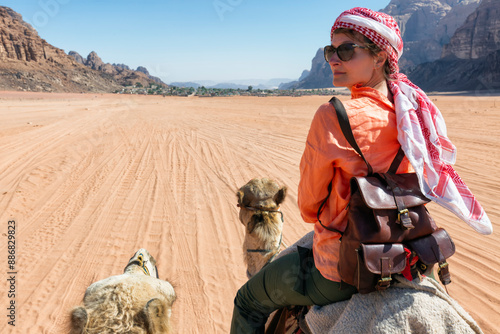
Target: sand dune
{"x":89,"y":179}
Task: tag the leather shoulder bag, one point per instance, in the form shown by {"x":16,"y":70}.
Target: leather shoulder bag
{"x":388,"y":225}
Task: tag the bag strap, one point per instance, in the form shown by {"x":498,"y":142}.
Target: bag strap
{"x":397,"y":161}
{"x":345,"y":126}
{"x":321,"y":209}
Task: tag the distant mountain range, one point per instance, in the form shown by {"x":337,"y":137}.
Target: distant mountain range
{"x":124,"y":75}
{"x":234,"y":84}
{"x":450,"y":45}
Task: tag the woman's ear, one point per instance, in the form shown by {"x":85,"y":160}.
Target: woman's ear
{"x":380,"y":59}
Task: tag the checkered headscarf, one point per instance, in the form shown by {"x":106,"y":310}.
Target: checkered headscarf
{"x":380,"y":28}
{"x":421,"y":127}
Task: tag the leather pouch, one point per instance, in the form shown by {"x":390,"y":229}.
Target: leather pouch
{"x":384,"y":259}
{"x":434,"y":248}
{"x":376,"y":265}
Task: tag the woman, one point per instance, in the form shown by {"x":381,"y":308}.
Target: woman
{"x":386,"y":111}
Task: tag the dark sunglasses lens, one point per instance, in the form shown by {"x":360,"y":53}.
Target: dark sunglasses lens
{"x":328,"y":52}
{"x":345,"y":52}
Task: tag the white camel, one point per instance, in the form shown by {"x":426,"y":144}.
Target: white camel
{"x":136,"y":301}
{"x":406,"y":307}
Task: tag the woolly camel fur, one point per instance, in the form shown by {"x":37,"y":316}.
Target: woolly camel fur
{"x":134,"y":302}
{"x":407,"y":307}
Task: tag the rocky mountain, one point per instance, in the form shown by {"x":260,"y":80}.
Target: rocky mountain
{"x":121,"y":73}
{"x":426,"y":26}
{"x":79,"y":59}
{"x":471,"y":60}
{"x":29,"y":63}
{"x":480,"y":34}
{"x":453,"y":74}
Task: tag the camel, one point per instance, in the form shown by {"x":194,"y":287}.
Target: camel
{"x":409,"y":306}
{"x":259,"y":202}
{"x":136,"y":301}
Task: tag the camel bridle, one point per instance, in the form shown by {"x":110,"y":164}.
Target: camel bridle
{"x":266,"y":251}
{"x":141,"y":262}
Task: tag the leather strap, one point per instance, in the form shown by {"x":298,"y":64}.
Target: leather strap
{"x":345,"y":126}
{"x":321,"y":209}
{"x":403,"y":213}
{"x":443,"y":269}
{"x":397,"y":161}
{"x":385,"y":274}
{"x":444,"y":273}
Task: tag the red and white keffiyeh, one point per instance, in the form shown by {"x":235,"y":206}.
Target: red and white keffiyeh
{"x":421,"y":127}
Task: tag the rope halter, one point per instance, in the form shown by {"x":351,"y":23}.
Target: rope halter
{"x":266,"y":251}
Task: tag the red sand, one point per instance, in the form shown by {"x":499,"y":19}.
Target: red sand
{"x":91,"y":178}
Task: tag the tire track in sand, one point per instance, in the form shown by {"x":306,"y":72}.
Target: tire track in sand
{"x":162,"y":173}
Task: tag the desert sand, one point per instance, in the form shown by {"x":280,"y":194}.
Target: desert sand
{"x":89,"y":179}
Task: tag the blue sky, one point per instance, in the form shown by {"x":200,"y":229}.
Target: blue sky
{"x":192,"y":40}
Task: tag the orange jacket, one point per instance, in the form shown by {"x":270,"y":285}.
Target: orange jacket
{"x":329,"y":157}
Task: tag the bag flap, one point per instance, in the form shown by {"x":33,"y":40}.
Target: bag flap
{"x":378,"y":195}
{"x":375,"y":254}
{"x":434,"y":248}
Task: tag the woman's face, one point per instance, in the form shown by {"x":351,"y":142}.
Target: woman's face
{"x":361,"y":69}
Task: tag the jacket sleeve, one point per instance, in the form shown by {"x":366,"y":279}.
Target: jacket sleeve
{"x":319,"y":161}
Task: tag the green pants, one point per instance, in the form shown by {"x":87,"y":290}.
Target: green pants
{"x":290,"y":280}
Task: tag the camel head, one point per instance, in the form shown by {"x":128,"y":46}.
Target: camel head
{"x":259,"y":201}
{"x":133,"y":302}
{"x":142,"y":263}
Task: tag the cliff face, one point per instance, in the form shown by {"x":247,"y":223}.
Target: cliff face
{"x":427,"y":25}
{"x":29,"y":63}
{"x":454,"y":74}
{"x":19,"y":41}
{"x":471,"y":61}
{"x":479,"y":36}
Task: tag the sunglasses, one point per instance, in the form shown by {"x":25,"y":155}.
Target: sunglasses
{"x":344,"y":51}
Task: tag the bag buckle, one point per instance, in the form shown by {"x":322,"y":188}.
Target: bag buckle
{"x":385,"y":273}
{"x":384,"y":283}
{"x":444,"y":273}
{"x":404,"y":219}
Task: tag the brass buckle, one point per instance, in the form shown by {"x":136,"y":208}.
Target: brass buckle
{"x":443,"y":265}
{"x":403,"y":212}
{"x":384,"y":281}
